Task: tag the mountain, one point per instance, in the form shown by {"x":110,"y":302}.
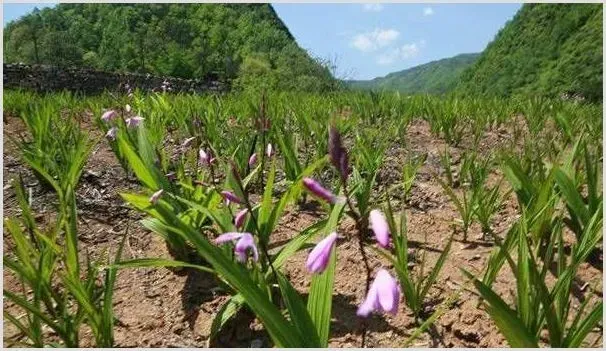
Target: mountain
{"x":546,"y":49}
{"x":247,"y":44}
{"x":435,"y":77}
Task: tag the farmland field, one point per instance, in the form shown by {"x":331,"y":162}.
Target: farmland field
{"x":491,"y":210}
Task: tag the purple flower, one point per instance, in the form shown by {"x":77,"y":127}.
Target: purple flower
{"x":320,"y":255}
{"x":204,"y":157}
{"x":134,"y":121}
{"x":111,"y":133}
{"x":338,"y":154}
{"x":229,"y":196}
{"x":252,"y":160}
{"x":269,"y":150}
{"x":154,"y":198}
{"x":240,"y":217}
{"x":317,"y":189}
{"x":383,"y":295}
{"x":244,"y":242}
{"x":109,"y":115}
{"x":380,"y":228}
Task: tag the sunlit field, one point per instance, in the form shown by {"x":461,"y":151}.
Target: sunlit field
{"x":301,"y":220}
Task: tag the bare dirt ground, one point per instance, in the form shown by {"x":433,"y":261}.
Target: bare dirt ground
{"x":164,"y":308}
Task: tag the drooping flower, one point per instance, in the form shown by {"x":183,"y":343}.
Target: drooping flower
{"x":154,"y":198}
{"x":383,"y":295}
{"x":133,"y":122}
{"x":127,"y":108}
{"x":320,"y":255}
{"x":111,"y":133}
{"x":380,"y":228}
{"x":244,"y":242}
{"x":229,"y":196}
{"x":204,"y":157}
{"x":269,"y":150}
{"x":315,"y":188}
{"x":240,"y":217}
{"x":109,"y":115}
{"x":252,"y":160}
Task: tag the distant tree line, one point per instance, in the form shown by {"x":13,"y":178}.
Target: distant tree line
{"x":246,"y":44}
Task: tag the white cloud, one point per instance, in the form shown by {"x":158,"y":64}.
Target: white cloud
{"x":374,"y":40}
{"x":374,"y":7}
{"x":387,"y":58}
{"x":409,"y":50}
{"x":403,"y":52}
{"x":428,"y":11}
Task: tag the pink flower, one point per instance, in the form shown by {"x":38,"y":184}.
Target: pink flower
{"x":252,"y":160}
{"x":154,"y":198}
{"x":383,"y":295}
{"x":229,"y":196}
{"x":240,"y":217}
{"x":244,"y":242}
{"x":204,"y":157}
{"x":320,"y":255}
{"x":134,"y":121}
{"x":111,"y":133}
{"x":109,"y":115}
{"x":317,"y":189}
{"x":380,"y":228}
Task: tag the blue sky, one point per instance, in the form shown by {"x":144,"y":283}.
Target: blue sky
{"x":370,"y":40}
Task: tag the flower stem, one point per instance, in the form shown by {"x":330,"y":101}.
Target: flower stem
{"x":362,"y":227}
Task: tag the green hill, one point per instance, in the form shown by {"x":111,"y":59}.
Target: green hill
{"x":435,"y":77}
{"x":546,"y":49}
{"x":246,"y":43}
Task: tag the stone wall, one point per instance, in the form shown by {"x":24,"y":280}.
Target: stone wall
{"x":44,"y":78}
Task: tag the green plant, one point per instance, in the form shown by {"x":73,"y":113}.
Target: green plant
{"x":414,"y":286}
{"x":447,"y":166}
{"x":409,"y":173}
{"x":580,"y":208}
{"x":61,"y":299}
{"x":537,"y":305}
{"x":466,"y":204}
{"x":488,"y":201}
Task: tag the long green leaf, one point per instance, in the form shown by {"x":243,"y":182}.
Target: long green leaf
{"x":319,"y":303}
{"x":299,"y":315}
{"x":225,"y":313}
{"x":504,"y":317}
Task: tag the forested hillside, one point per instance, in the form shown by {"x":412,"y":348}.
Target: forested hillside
{"x":546,"y":49}
{"x":246,"y":43}
{"x":435,"y":77}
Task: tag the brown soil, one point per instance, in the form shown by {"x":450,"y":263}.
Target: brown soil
{"x":163,"y":308}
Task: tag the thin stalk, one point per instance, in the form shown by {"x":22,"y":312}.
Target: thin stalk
{"x":362,"y":228}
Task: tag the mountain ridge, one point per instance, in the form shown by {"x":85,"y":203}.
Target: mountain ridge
{"x":434,"y":77}
{"x":545,"y":50}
